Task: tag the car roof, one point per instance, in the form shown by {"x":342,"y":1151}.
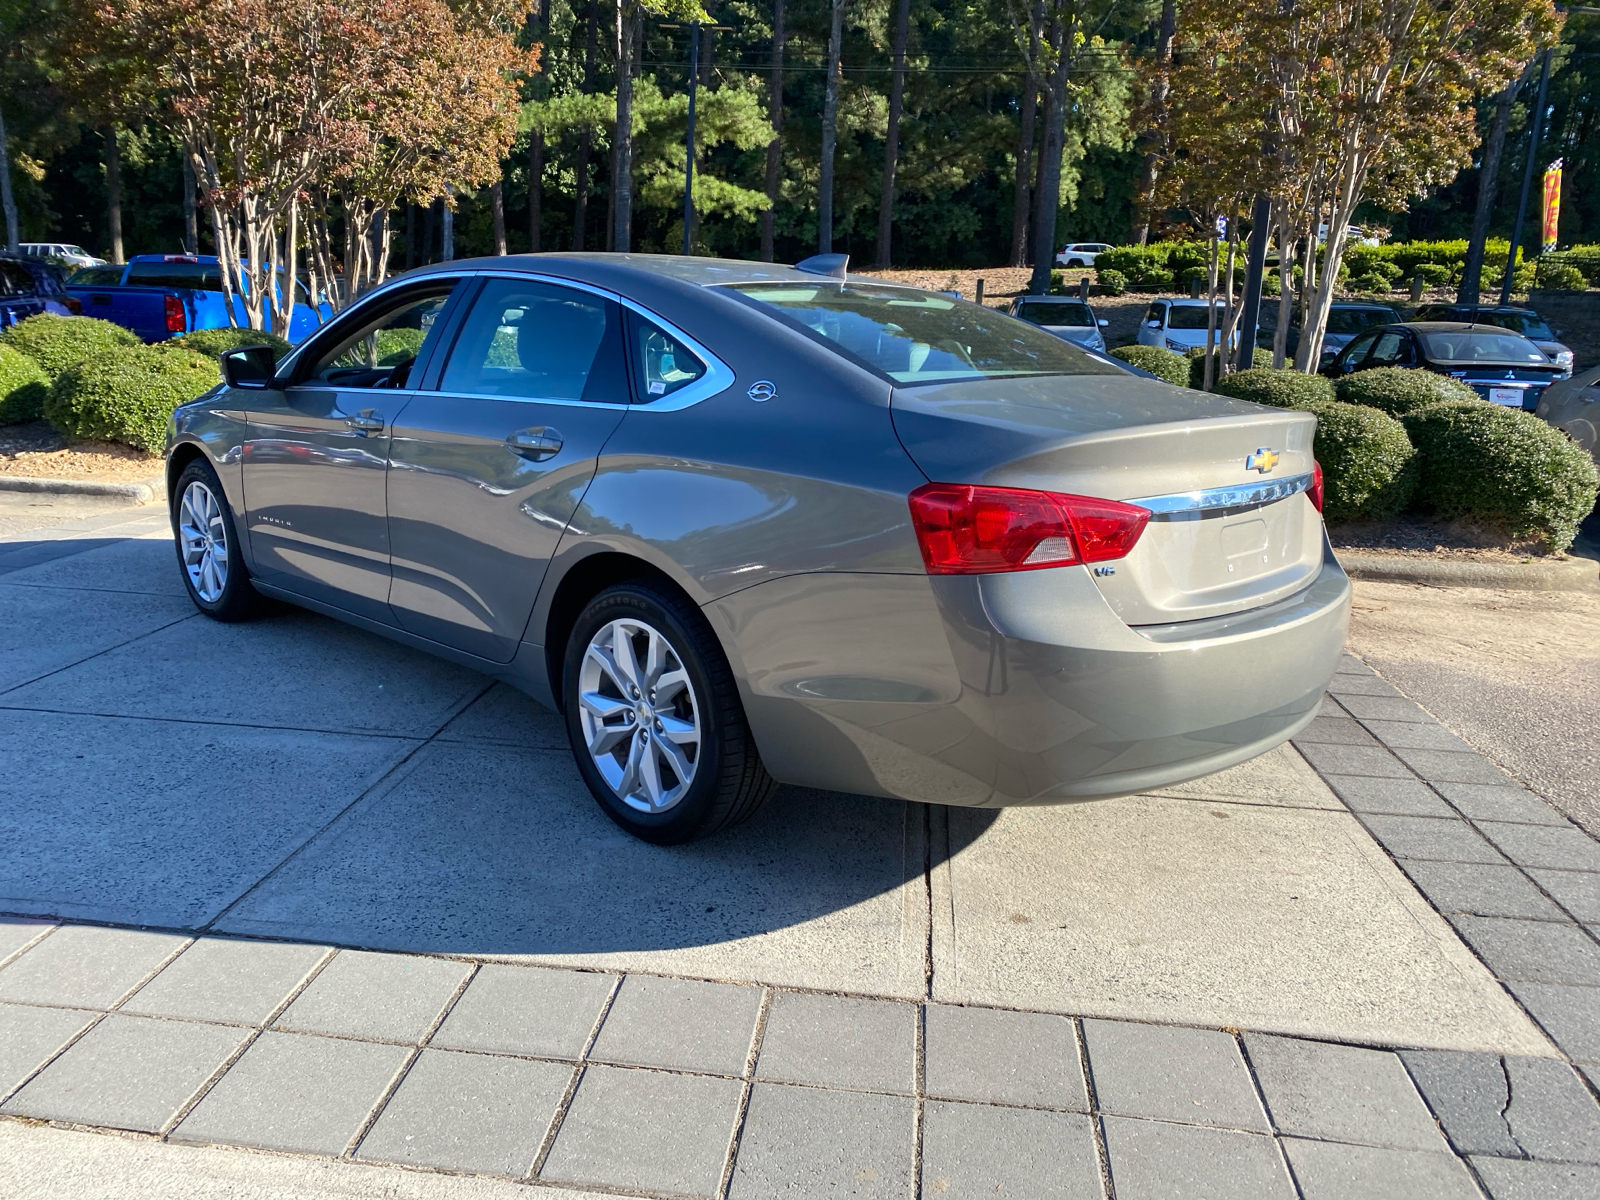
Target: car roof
{"x":1485,"y":308}
{"x":1456,"y":327}
{"x":598,"y":267}
{"x":1368,"y":305}
{"x":1053,"y":299}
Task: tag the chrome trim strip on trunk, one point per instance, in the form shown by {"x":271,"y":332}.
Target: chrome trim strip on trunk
{"x":1241,"y":495}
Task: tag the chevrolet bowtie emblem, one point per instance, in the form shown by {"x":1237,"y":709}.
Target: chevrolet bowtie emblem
{"x":1263,"y":460}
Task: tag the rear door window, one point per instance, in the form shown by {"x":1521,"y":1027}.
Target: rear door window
{"x":536,"y":341}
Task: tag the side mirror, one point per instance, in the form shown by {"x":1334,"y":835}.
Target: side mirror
{"x":249,"y":367}
{"x":1104,"y":324}
{"x":1155,"y":324}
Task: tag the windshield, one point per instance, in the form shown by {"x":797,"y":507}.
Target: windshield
{"x":1527,"y":324}
{"x":1075,"y":314}
{"x":921,"y":337}
{"x":1190,"y":316}
{"x":1354,"y":320}
{"x":1473,"y":346}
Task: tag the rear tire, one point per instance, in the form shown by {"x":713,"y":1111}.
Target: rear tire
{"x":207,"y":541}
{"x":655,"y":720}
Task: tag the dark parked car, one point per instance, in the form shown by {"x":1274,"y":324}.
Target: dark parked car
{"x":30,"y":286}
{"x":1345,"y":321}
{"x":1501,"y":366}
{"x":1519,"y":320}
{"x":746,"y":523}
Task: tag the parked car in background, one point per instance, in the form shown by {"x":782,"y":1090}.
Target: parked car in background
{"x":30,"y":286}
{"x":1179,"y":325}
{"x":1501,"y":366}
{"x":1067,"y":317}
{"x":61,"y":252}
{"x":1519,"y":320}
{"x":160,"y":296}
{"x":1081,"y":254}
{"x":1572,"y":405}
{"x":1344,"y":322}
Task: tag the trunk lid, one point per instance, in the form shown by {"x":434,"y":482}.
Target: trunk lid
{"x":1254,"y":539}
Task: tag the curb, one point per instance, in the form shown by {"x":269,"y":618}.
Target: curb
{"x":140,"y":491}
{"x":1573,"y":575}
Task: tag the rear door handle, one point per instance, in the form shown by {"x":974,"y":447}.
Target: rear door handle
{"x":535,"y":444}
{"x":365,"y":422}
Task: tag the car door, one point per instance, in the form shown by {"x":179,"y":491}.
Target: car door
{"x":1392,"y":349}
{"x":19,"y":294}
{"x":316,"y":452}
{"x":1353,"y":357}
{"x":489,"y":460}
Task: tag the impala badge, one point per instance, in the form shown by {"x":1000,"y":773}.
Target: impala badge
{"x":762,"y":390}
{"x":1263,"y":460}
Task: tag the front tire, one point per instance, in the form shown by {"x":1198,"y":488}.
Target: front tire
{"x":655,"y":720}
{"x":207,"y":541}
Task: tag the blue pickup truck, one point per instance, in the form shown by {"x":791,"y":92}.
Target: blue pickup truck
{"x":160,"y":296}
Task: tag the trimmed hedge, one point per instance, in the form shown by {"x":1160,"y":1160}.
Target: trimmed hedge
{"x":1112,"y":282}
{"x":55,"y":343}
{"x":1559,"y":277}
{"x":1197,"y":366}
{"x":214,"y":343}
{"x":1503,"y":464}
{"x":1369,"y":468}
{"x":23,"y":387}
{"x":1162,"y":363}
{"x":1585,"y":258}
{"x":1279,"y":388}
{"x":1399,"y":390}
{"x":127,"y":393}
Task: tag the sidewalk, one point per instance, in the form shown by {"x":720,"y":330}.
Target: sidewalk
{"x":288,"y":887}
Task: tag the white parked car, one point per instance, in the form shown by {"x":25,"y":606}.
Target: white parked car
{"x":1179,"y":325}
{"x":1069,"y":318}
{"x":64,"y":252}
{"x":1080,"y":254}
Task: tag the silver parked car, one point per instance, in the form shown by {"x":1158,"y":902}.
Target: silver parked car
{"x":1573,"y":406}
{"x":1067,"y":317}
{"x":745,"y":523}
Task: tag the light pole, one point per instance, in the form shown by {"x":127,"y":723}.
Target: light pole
{"x":1527,"y":180}
{"x":688,"y":149}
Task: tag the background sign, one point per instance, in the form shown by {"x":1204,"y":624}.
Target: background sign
{"x":1552,"y":205}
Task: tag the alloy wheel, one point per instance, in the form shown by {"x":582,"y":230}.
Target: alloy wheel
{"x":639,"y":714}
{"x":204,"y":538}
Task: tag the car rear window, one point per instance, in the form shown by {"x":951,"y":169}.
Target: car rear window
{"x":1075,"y":315}
{"x":914,"y":336}
{"x":96,"y":277}
{"x":206,"y":277}
{"x":1354,"y":320}
{"x":1476,"y":346}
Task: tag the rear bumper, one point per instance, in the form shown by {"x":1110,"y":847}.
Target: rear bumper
{"x":1022,"y":688}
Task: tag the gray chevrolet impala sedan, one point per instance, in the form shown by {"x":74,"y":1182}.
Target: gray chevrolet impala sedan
{"x":745,"y":524}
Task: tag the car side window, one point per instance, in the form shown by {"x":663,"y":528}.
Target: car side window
{"x":380,"y":352}
{"x":15,"y":280}
{"x":1156,"y":315}
{"x":662,"y":364}
{"x":527,"y":340}
{"x":1386,"y":351}
{"x":1357,"y":350}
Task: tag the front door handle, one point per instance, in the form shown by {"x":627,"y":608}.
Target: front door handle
{"x":365,"y":422}
{"x":535,"y":444}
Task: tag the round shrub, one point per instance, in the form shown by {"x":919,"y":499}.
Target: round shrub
{"x":1197,"y":367}
{"x":1157,"y":278}
{"x":23,"y":387}
{"x":1433,"y":274}
{"x":1399,"y":390}
{"x":1114,"y":283}
{"x":1162,"y":363}
{"x":1369,"y":283}
{"x":127,"y":393}
{"x":1560,"y":277}
{"x":55,"y":343}
{"x":1280,"y":388}
{"x":214,"y":343}
{"x":1503,"y":464}
{"x":1369,"y":468}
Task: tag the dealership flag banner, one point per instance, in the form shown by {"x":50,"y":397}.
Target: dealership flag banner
{"x":1552,"y":204}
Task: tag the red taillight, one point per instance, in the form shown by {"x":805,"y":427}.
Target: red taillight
{"x":175,"y":319}
{"x":967,"y":530}
{"x":1315,"y":490}
{"x":73,"y":305}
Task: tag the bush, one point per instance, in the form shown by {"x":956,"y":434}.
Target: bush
{"x":1158,"y":279}
{"x":55,"y":343}
{"x":1279,"y":388}
{"x":1433,"y":274}
{"x":1585,"y":258}
{"x":1197,"y":367}
{"x":1113,"y":283}
{"x":1559,"y":277}
{"x":1488,"y":461}
{"x":1160,"y":362}
{"x":1369,"y":283}
{"x":23,"y":387}
{"x":1369,"y":468}
{"x":214,"y":343}
{"x":127,"y":393}
{"x":1399,"y":390}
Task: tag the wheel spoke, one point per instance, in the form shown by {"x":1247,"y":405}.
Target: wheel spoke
{"x":629,"y":783}
{"x":603,"y":707}
{"x":670,"y":684}
{"x":607,"y":738}
{"x":681,"y":766}
{"x":676,"y":730}
{"x":650,"y":770}
{"x":602,"y":657}
{"x":622,"y":654}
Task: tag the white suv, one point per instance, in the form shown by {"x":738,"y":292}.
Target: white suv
{"x":1080,"y":254}
{"x":65,"y":252}
{"x":1179,"y":325}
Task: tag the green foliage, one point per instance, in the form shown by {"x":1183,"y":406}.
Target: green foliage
{"x":55,"y":343}
{"x":1399,"y":390}
{"x":23,"y":387}
{"x":1585,"y":258}
{"x":127,"y":393}
{"x":1113,"y":283}
{"x":1279,"y":388}
{"x":1370,"y":283}
{"x":1197,"y":367}
{"x":1559,"y":277}
{"x":1160,"y":362}
{"x":1368,"y":464}
{"x":1434,"y":274}
{"x":1503,"y":464}
{"x":395,"y":346}
{"x":214,"y":343}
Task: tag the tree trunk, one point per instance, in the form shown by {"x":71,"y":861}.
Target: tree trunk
{"x":8,"y":202}
{"x":1021,"y":204}
{"x":191,"y":222}
{"x":891,"y":148}
{"x":290,"y":259}
{"x":1047,"y":200}
{"x":830,"y":131}
{"x":497,"y":210}
{"x":628,"y":23}
{"x":775,"y":146}
{"x":1286,"y":245}
{"x":114,"y":194}
{"x":1209,"y":370}
{"x":1151,"y":167}
{"x":580,"y":207}
{"x":1488,"y":186}
{"x":447,"y":232}
{"x":411,"y":236}
{"x":536,"y":139}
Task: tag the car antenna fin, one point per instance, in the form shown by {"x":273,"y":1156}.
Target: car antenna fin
{"x":836,"y":265}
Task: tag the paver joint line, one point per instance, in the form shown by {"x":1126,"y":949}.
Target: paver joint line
{"x":742,"y":1113}
{"x":560,"y":1115}
{"x":1096,"y":1117}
